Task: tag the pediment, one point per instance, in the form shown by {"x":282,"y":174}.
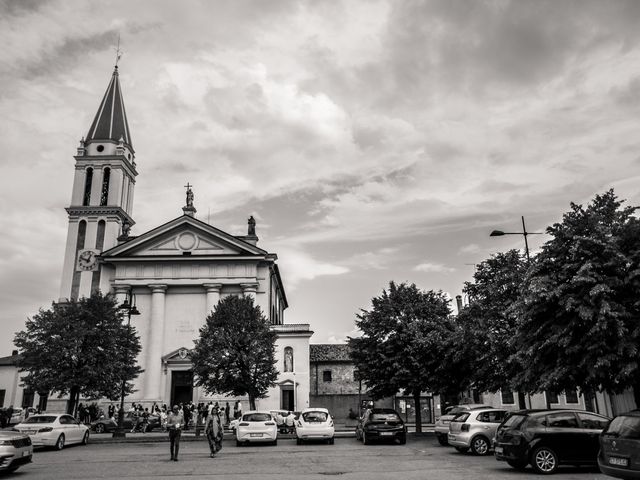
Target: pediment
{"x":177,"y":356}
{"x":184,"y":236}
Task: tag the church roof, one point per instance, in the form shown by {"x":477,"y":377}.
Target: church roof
{"x":110,"y":122}
{"x":329,"y":352}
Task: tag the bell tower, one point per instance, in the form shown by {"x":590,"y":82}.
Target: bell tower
{"x":102,"y":196}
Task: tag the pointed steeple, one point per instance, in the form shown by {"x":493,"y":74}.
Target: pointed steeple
{"x":110,"y":123}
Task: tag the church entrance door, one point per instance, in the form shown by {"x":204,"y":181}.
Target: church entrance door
{"x":181,"y":386}
{"x":286,"y":398}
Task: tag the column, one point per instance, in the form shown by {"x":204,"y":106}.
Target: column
{"x":213,"y":295}
{"x":249,"y":289}
{"x":121,"y":291}
{"x":153,"y":364}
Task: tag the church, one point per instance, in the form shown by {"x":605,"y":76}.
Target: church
{"x":174,"y":274}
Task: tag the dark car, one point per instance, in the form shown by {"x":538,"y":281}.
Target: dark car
{"x":549,"y":438}
{"x":130,"y":419}
{"x":620,"y":446}
{"x":377,"y":424}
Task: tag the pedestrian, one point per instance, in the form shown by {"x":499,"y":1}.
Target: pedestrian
{"x":226,"y":414}
{"x":214,"y":432}
{"x":239,"y":409}
{"x":145,"y":420}
{"x":112,"y":410}
{"x":175,"y":420}
{"x":235,"y":410}
{"x":186,"y":413}
{"x":289,"y":421}
{"x":163,"y":419}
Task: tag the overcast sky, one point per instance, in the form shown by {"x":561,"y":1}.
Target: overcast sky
{"x":372,"y":140}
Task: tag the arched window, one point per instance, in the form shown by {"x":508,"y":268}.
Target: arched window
{"x":288,"y":359}
{"x":88,"y":180}
{"x":104,"y":195}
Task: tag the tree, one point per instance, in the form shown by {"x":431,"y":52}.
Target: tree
{"x":235,"y":353}
{"x":579,"y":310}
{"x":488,"y":324}
{"x":403,"y":340}
{"x":80,"y":347}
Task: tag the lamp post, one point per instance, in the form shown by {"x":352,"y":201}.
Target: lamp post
{"x":129,"y":308}
{"x":499,"y":233}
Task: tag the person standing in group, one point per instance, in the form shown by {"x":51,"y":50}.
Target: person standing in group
{"x":213,"y":430}
{"x":235,"y":410}
{"x":239,"y":409}
{"x":175,"y":420}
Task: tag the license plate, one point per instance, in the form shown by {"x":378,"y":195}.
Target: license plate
{"x":25,"y":453}
{"x":499,"y":450}
{"x":256,"y":435}
{"x":386,"y":433}
{"x":621,"y":462}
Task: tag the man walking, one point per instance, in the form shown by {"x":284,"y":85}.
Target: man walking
{"x":175,"y":420}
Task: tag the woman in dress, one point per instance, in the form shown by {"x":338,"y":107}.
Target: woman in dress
{"x":213,"y":431}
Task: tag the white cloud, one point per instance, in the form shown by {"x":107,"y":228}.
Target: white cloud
{"x":433,"y":268}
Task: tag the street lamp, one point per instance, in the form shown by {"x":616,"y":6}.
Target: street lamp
{"x":499,"y":233}
{"x":129,"y":308}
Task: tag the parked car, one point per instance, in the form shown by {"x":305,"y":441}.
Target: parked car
{"x":381,"y":424}
{"x":442,"y":423}
{"x":314,"y":424}
{"x":19,"y":415}
{"x":15,"y":450}
{"x":54,"y":430}
{"x":257,"y":426}
{"x":547,"y":439}
{"x":620,"y":447}
{"x":130,"y":419}
{"x":475,"y":430}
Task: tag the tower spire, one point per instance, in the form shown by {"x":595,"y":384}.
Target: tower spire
{"x":110,"y":122}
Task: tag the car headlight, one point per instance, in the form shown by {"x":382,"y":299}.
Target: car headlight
{"x":5,"y":442}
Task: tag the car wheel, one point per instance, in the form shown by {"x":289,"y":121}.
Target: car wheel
{"x":59,"y":443}
{"x":403,"y":440}
{"x":517,"y":465}
{"x":298,"y":441}
{"x":85,"y":439}
{"x":275,"y":443}
{"x":238,"y":443}
{"x":480,"y":445}
{"x":331,"y":441}
{"x":99,"y":428}
{"x":365,"y":440}
{"x":462,"y":449}
{"x":544,"y":460}
{"x":442,"y":439}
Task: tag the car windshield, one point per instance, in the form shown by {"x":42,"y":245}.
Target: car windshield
{"x":462,"y":417}
{"x":41,"y":419}
{"x":456,"y":410}
{"x":384,"y":417}
{"x":624,"y":427}
{"x":316,"y":417}
{"x":256,"y":417}
{"x":514,"y":421}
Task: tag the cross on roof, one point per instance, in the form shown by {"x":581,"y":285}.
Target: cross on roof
{"x":118,"y":51}
{"x":188,"y":186}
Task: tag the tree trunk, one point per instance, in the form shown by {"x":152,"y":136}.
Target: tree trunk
{"x":74,"y":395}
{"x":416,"y":401}
{"x":252,"y":402}
{"x":521,"y":400}
{"x":636,"y":393}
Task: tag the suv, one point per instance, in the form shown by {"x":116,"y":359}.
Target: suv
{"x":475,"y":430}
{"x":620,"y":446}
{"x":442,"y":423}
{"x":15,"y":450}
{"x":547,"y":438}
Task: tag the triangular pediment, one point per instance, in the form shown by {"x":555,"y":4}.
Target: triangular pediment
{"x":180,"y":355}
{"x":184,"y":236}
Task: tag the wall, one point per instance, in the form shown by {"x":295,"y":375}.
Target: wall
{"x":9,"y":378}
{"x":342,"y":381}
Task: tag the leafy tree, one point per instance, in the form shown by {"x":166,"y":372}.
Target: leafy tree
{"x":235,"y":353}
{"x":81,"y":347}
{"x":404,"y":337}
{"x":579,"y":308}
{"x":488,"y":324}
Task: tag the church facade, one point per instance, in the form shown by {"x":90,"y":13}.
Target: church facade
{"x":175,"y":274}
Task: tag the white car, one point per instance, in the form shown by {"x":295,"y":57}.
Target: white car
{"x":54,"y":430}
{"x":257,"y":426}
{"x":315,"y":424}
